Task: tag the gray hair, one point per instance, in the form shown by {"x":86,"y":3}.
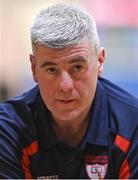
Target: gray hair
{"x":60,"y":26}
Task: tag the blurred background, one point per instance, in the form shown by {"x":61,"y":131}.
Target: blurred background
{"x":117,"y":22}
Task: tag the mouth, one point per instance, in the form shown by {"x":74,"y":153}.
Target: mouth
{"x":66,"y":101}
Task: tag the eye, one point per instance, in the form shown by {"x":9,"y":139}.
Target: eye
{"x":77,"y":67}
{"x":51,"y":70}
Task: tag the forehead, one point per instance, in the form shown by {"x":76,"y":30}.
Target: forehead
{"x":82,"y":49}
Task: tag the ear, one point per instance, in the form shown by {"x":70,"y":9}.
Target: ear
{"x":101,"y":60}
{"x":33,"y":66}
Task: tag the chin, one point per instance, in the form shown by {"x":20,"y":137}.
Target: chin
{"x":66,"y":116}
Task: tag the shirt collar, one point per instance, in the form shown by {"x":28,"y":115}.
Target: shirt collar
{"x":98,"y":126}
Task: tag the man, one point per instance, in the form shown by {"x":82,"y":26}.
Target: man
{"x":74,"y":124}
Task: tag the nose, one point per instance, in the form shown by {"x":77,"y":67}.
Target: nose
{"x":65,"y":82}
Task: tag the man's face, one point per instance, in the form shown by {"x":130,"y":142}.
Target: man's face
{"x":67,"y":78}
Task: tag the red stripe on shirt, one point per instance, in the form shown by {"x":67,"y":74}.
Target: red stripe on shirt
{"x":28,"y":151}
{"x":124,"y":170}
{"x":122,"y":143}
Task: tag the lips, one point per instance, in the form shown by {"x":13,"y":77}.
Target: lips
{"x":66,"y":101}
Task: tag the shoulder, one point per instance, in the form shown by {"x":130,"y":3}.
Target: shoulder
{"x":119,"y":95}
{"x":122,"y":109}
{"x":21,"y":102}
{"x":16,"y":115}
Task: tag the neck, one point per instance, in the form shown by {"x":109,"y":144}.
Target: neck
{"x":71,"y":132}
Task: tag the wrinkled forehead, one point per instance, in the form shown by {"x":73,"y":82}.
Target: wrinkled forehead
{"x":77,"y":52}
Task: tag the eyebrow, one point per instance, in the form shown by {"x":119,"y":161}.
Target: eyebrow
{"x":77,"y":59}
{"x":74,"y":60}
{"x":48,"y":63}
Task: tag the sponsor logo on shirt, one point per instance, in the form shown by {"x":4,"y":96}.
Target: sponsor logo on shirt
{"x":48,"y":177}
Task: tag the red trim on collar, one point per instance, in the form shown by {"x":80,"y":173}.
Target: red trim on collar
{"x":122,"y":143}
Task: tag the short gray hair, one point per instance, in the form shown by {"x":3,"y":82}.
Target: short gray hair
{"x":60,"y":26}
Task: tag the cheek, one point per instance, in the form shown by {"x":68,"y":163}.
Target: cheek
{"x":47,"y":94}
{"x":46,"y":87}
{"x":88,"y":83}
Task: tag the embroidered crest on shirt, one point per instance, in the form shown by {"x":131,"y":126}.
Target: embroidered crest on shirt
{"x":96,"y":166}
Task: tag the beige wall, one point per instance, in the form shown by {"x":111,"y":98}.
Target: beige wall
{"x":16,"y":17}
